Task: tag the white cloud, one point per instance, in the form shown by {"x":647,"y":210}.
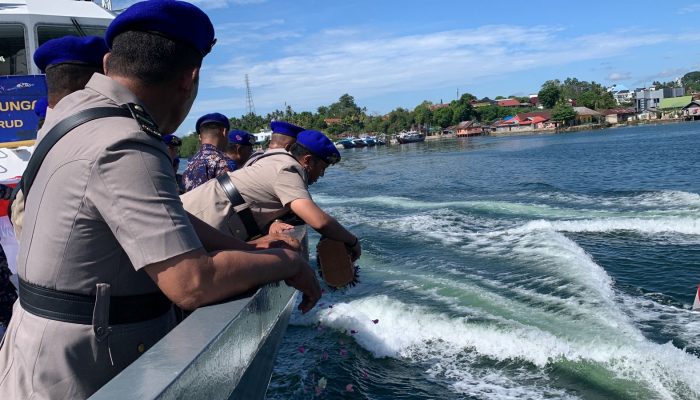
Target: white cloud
{"x":689,"y":9}
{"x":249,"y":25}
{"x":211,"y":4}
{"x":619,"y":76}
{"x":253,"y":33}
{"x":207,"y":4}
{"x":363,"y":63}
{"x":663,"y":75}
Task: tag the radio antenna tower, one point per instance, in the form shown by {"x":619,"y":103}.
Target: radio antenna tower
{"x":250,"y":107}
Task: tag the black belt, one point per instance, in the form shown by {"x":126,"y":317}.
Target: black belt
{"x":246,"y":216}
{"x":78,"y":309}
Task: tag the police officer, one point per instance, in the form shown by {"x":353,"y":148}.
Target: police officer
{"x":239,"y":149}
{"x":107,"y":244}
{"x":284,"y":134}
{"x":210,"y":160}
{"x":174,"y":143}
{"x":272,"y":186}
{"x":68,"y":63}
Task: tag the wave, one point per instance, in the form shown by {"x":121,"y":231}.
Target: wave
{"x":662,"y":199}
{"x":685,"y":226}
{"x":564,"y":206}
{"x":456,"y":344}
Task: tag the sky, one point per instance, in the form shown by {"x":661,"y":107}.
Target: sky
{"x":389,"y":54}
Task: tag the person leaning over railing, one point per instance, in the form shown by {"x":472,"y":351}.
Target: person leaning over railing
{"x":107,"y":245}
{"x":249,"y":201}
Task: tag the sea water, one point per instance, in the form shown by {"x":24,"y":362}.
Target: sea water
{"x":535,"y":267}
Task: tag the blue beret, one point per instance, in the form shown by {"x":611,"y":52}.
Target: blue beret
{"x":241,"y":137}
{"x":40,"y":107}
{"x":319,"y":145}
{"x":213,"y":117}
{"x":172,"y":140}
{"x":285,"y":128}
{"x":179,"y":21}
{"x":88,"y":50}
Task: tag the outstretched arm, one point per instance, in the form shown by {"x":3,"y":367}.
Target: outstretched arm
{"x":214,"y":240}
{"x":326,"y":225}
{"x":196,"y":278}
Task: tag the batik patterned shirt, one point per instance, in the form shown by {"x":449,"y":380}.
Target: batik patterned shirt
{"x":208,"y":163}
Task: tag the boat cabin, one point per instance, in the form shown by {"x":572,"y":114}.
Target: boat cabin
{"x":27,"y":24}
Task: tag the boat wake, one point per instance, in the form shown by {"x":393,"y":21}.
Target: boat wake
{"x":513,"y":306}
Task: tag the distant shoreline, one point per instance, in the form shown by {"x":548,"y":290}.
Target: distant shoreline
{"x":578,"y":128}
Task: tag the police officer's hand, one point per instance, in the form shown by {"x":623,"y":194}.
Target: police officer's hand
{"x":276,"y":241}
{"x":280,"y":227}
{"x":355,"y":250}
{"x":305,"y":281}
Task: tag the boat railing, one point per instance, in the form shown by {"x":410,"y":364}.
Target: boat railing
{"x":221,"y":351}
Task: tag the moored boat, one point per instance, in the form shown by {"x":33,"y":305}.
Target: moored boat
{"x":369,"y":141}
{"x":347,"y":143}
{"x":409,"y":137}
{"x":359,"y":143}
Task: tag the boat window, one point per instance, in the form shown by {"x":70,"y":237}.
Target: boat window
{"x":45,"y":33}
{"x":13,"y":51}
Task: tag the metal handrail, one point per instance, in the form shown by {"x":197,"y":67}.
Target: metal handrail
{"x":220,"y":351}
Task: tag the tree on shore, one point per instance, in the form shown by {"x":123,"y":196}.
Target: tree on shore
{"x":563,"y":112}
{"x":691,"y":81}
{"x":549,"y":94}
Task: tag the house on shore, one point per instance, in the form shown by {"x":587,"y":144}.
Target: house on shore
{"x":468,"y":128}
{"x":691,"y":111}
{"x":621,"y":94}
{"x":585,"y":115}
{"x":525,"y":122}
{"x":648,"y":99}
{"x":673,"y":107}
{"x":619,"y":115}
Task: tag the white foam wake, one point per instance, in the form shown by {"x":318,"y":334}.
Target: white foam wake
{"x":451,"y":343}
{"x":686,"y":226}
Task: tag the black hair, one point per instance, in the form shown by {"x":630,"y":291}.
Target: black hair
{"x":211,"y":128}
{"x":150,"y":57}
{"x":64,"y":79}
{"x":281,"y":140}
{"x":299,"y":151}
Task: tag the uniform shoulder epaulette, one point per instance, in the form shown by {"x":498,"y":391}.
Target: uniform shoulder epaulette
{"x":144,"y":120}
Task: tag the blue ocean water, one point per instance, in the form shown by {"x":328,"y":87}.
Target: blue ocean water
{"x":535,"y":267}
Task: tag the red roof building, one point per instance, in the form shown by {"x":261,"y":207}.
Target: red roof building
{"x":509,"y":103}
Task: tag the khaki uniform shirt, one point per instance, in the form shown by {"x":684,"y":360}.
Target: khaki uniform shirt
{"x":103,"y":205}
{"x":268,"y":186}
